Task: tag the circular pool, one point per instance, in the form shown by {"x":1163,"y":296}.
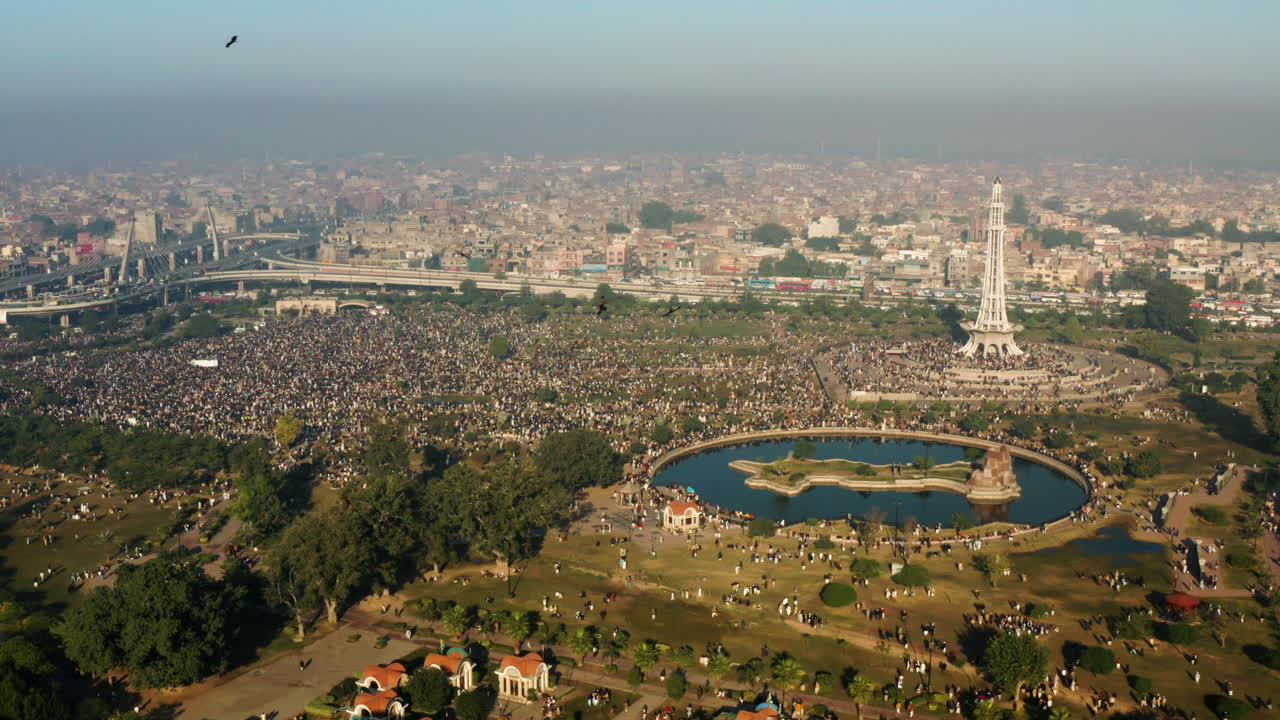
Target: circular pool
{"x":1046,"y":493}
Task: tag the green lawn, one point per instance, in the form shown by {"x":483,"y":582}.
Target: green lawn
{"x":99,"y":541}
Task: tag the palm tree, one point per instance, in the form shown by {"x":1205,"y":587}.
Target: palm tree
{"x":582,"y":642}
{"x":860,"y":691}
{"x":719,"y":665}
{"x":1060,"y":713}
{"x":787,"y":672}
{"x":645,"y":655}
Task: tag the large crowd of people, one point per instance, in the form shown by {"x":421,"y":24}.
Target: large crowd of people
{"x":933,"y":367}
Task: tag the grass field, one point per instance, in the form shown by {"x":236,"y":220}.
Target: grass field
{"x":1062,"y":580}
{"x":99,"y":540}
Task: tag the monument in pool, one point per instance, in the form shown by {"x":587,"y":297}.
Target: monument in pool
{"x":992,"y":333}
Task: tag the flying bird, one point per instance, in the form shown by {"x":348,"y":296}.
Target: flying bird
{"x":601,"y":307}
{"x":232,"y":41}
{"x":465,"y":255}
{"x":672,"y":310}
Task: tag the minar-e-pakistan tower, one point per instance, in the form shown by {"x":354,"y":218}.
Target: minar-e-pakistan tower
{"x":992,"y":333}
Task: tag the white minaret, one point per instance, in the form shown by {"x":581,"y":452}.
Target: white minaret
{"x":992,"y":333}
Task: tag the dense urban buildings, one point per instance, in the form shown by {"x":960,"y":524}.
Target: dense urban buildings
{"x":1077,"y":233}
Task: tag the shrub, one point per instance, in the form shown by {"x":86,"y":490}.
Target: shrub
{"x":761,"y":527}
{"x":867,"y":568}
{"x":864,"y":470}
{"x":1144,"y":465}
{"x":1227,"y":708}
{"x":1180,"y":633}
{"x":634,"y":676}
{"x":1098,"y":660}
{"x":677,"y":685}
{"x":1039,"y":610}
{"x":913,"y":576}
{"x":839,"y":595}
{"x":824,"y":543}
{"x":1211,"y":514}
{"x":1140,"y":684}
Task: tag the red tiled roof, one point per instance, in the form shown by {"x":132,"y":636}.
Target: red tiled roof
{"x":378,"y":703}
{"x":679,"y":507}
{"x":526,"y":665}
{"x":765,"y":714}
{"x":448,"y":663}
{"x":388,"y":676}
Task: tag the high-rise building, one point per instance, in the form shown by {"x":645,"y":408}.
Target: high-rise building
{"x":992,"y":333}
{"x":147,"y":227}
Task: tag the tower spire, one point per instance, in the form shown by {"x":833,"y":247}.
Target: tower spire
{"x":992,"y":333}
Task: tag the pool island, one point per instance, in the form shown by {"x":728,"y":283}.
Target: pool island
{"x":993,"y":483}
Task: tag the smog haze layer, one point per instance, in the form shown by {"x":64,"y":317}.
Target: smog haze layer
{"x":1166,"y":81}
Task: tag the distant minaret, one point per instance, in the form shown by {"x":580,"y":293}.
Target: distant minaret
{"x":992,"y":333}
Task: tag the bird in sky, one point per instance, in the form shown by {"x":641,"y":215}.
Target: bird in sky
{"x":672,"y":310}
{"x":465,"y":255}
{"x":232,"y":41}
{"x":601,"y":307}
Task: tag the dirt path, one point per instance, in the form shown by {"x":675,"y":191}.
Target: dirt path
{"x":1177,"y":517}
{"x":281,"y":686}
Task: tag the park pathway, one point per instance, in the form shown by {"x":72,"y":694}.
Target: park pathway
{"x":1178,"y":515}
{"x":279,"y":685}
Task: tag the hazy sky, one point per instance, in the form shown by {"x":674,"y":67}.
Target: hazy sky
{"x":1155,"y":58}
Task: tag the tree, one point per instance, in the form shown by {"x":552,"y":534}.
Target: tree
{"x":1023,"y":427}
{"x":866,"y":568}
{"x":500,"y":347}
{"x":645,"y":655}
{"x":201,"y":325}
{"x":677,"y":685}
{"x":30,"y":683}
{"x":923,"y":462}
{"x":323,"y":558}
{"x":661,"y":433}
{"x":860,"y":690}
{"x":475,"y":704}
{"x":1228,"y":708}
{"x":1053,"y":203}
{"x":547,"y":394}
{"x":165,"y":621}
{"x":504,"y":510}
{"x":288,"y":428}
{"x":913,"y":576}
{"x":718,"y":665}
{"x":1168,"y":307}
{"x":583,"y":641}
{"x":1126,"y":220}
{"x":1144,"y":465}
{"x":771,"y":234}
{"x":1072,"y":330}
{"x":1018,"y":213}
{"x":429,"y":690}
{"x":975,"y":422}
{"x":519,"y":626}
{"x":579,"y":459}
{"x":458,"y":619}
{"x":1268,"y":381}
{"x":656,"y":215}
{"x":1098,"y":660}
{"x":616,"y":228}
{"x":993,"y":565}
{"x":787,"y":672}
{"x":1014,"y":661}
{"x":1254,"y":286}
